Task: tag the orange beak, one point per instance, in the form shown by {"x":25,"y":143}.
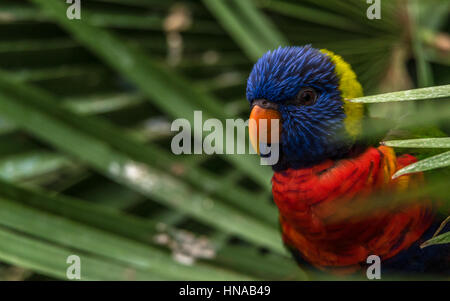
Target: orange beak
{"x":261,"y":127}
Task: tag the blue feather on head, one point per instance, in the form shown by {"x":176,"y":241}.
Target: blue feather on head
{"x":310,"y":133}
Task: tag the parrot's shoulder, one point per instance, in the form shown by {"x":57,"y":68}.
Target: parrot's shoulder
{"x":370,"y":169}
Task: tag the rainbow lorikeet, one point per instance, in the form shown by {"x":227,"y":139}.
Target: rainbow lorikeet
{"x":326,"y":172}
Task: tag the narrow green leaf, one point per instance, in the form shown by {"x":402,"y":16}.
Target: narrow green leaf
{"x":416,"y":94}
{"x":36,"y":45}
{"x":438,"y":161}
{"x":438,"y":240}
{"x":420,"y":143}
{"x":423,"y":67}
{"x":32,"y":164}
{"x":261,"y":23}
{"x":250,"y":45}
{"x":250,"y":260}
{"x":250,"y":28}
{"x":44,"y":74}
{"x":102,"y":104}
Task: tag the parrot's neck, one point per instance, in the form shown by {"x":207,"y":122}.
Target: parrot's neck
{"x":350,"y":88}
{"x":337,"y":150}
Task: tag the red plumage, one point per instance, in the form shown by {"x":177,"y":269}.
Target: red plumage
{"x":327,"y":211}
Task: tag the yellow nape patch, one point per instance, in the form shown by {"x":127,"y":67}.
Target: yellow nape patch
{"x":350,"y":88}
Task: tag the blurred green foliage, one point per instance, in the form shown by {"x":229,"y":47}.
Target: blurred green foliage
{"x":85,"y":112}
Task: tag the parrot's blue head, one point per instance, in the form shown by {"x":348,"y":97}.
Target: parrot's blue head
{"x":302,"y":86}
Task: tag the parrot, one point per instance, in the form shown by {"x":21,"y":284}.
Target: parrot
{"x":327,"y":172}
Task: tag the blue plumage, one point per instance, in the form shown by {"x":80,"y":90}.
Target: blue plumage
{"x":432,"y":260}
{"x":312,"y":133}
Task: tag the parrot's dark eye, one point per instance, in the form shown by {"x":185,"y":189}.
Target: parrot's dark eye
{"x":306,"y":97}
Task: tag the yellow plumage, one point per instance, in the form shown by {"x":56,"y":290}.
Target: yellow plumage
{"x":350,"y":88}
